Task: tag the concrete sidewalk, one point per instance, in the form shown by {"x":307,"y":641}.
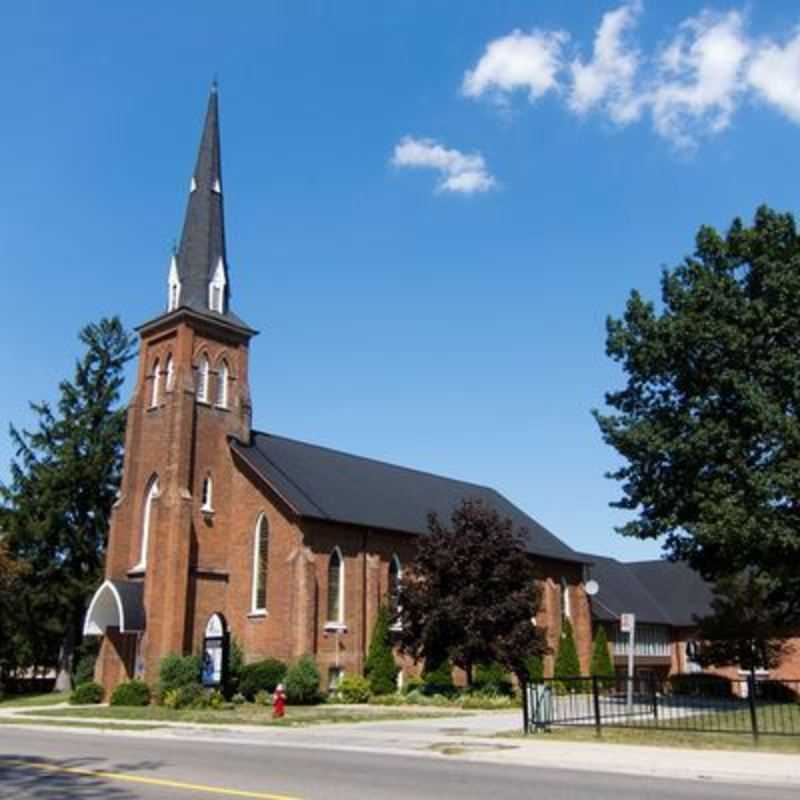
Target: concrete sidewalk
{"x":474,"y":738}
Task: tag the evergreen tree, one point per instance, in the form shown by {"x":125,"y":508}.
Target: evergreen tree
{"x":707,"y":422}
{"x":535,"y":668}
{"x":63,"y":484}
{"x":568,"y":664}
{"x":602,"y":665}
{"x":381,"y":668}
{"x":471,"y":593}
{"x":11,"y":573}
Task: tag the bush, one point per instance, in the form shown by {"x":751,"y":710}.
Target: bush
{"x":238,"y":699}
{"x":413,"y":683}
{"x":535,"y":668}
{"x":381,"y":669}
{"x":261,"y":676}
{"x":302,"y":682}
{"x":86,"y":694}
{"x":215,"y":699}
{"x":602,"y":666}
{"x":567,"y":663}
{"x":439,"y":679}
{"x":354,"y":689}
{"x":701,"y":684}
{"x":492,"y":679}
{"x":388,"y":699}
{"x":235,"y":667}
{"x":263,"y":698}
{"x":131,"y":693}
{"x":84,"y":670}
{"x":776,"y":692}
{"x":176,"y":672}
{"x":483,"y":700}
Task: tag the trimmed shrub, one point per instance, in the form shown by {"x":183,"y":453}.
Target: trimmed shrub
{"x":381,"y":669}
{"x":263,"y":698}
{"x":176,"y":672}
{"x":215,"y":699}
{"x":492,"y":679}
{"x":261,"y":676}
{"x":602,"y":666}
{"x":567,"y":663}
{"x":353,"y":689}
{"x":439,"y":679}
{"x":235,"y":667}
{"x":535,"y":667}
{"x":413,"y":683}
{"x":86,"y":694}
{"x":302,"y":682}
{"x":131,"y":693}
{"x":701,"y":684}
{"x":84,"y":670}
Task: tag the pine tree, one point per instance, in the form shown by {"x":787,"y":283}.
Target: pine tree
{"x":567,"y":663}
{"x":602,"y":666}
{"x":63,"y":485}
{"x":381,"y":668}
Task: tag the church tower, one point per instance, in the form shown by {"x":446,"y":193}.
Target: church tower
{"x":190,"y":400}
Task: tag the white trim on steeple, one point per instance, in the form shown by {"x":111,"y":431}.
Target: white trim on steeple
{"x":174,"y":286}
{"x":217,"y":186}
{"x":216,"y":289}
{"x":193,"y":184}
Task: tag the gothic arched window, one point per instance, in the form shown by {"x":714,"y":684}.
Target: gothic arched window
{"x":147,"y":520}
{"x":260,"y":565}
{"x":203,"y":375}
{"x":395,"y":576}
{"x":336,"y":587}
{"x":170,"y":370}
{"x":223,"y":375}
{"x":155,"y":389}
{"x":208,"y":494}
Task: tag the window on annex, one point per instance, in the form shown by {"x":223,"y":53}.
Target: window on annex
{"x":260,"y":566}
{"x":336,"y":588}
{"x":565,"y":601}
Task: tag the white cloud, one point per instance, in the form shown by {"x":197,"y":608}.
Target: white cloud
{"x":774,"y":73}
{"x":700,"y":77}
{"x":518,"y":61}
{"x":688,"y":87}
{"x":465,"y":173}
{"x":607,"y":80}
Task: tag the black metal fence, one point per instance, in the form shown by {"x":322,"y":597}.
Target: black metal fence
{"x":703,"y":703}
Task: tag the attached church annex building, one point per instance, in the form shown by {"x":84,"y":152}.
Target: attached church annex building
{"x":294,"y":545}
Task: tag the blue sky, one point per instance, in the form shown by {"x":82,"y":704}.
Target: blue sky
{"x":431,"y":206}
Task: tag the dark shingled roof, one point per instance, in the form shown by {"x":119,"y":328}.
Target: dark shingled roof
{"x":330,"y":485}
{"x":659,"y":592}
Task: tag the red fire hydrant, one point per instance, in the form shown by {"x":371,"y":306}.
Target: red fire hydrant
{"x":279,"y":702}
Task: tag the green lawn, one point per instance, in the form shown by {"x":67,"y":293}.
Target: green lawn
{"x":68,"y":723}
{"x":246,"y":714}
{"x":23,"y":700}
{"x":683,"y":739}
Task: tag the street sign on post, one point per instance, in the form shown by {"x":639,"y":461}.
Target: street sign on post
{"x":627,"y":624}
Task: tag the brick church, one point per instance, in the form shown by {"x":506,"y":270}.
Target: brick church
{"x":294,"y":546}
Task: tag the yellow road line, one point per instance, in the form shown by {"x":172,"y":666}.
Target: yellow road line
{"x":121,"y":776}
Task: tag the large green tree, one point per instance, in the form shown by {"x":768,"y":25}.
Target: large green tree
{"x":743,"y":628}
{"x":707,"y":422}
{"x":11,"y":573}
{"x":471,"y":593}
{"x":64,"y":480}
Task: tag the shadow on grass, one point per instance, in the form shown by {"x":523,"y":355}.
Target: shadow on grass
{"x":24,"y":775}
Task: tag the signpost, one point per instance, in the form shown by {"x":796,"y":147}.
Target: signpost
{"x":627,"y":624}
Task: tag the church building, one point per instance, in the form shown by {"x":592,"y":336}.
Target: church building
{"x":290,"y":546}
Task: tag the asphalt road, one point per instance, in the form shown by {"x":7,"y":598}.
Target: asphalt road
{"x":49,"y":765}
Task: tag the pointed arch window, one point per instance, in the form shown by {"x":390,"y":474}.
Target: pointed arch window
{"x":565,"y":603}
{"x":335,"y":589}
{"x":203,"y":375}
{"x":170,"y":370}
{"x":147,"y":520}
{"x":260,"y":566}
{"x":395,"y":577}
{"x":208,"y":495}
{"x":155,"y":389}
{"x":223,"y":376}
